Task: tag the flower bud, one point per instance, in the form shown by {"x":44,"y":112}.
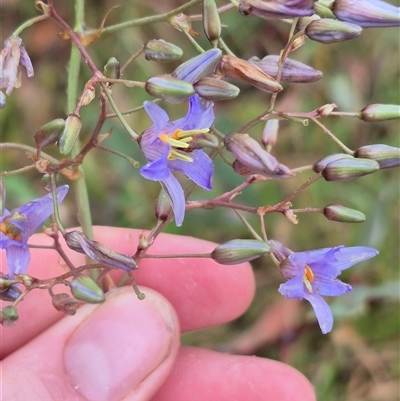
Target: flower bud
{"x":239,"y":251}
{"x":348,"y":169}
{"x":327,"y":30}
{"x":11,"y":294}
{"x":97,"y":251}
{"x":321,"y":164}
{"x":251,"y":158}
{"x":270,"y":133}
{"x":163,"y":206}
{"x":88,"y":94}
{"x":8,"y":316}
{"x":161,"y":51}
{"x":85,"y":289}
{"x":325,"y":110}
{"x":73,"y":125}
{"x":277,"y":9}
{"x":2,"y":100}
{"x":379,"y":112}
{"x":49,"y":133}
{"x":204,"y":140}
{"x":386,"y":156}
{"x":181,"y":22}
{"x":112,"y":69}
{"x":215,"y":89}
{"x":237,"y":68}
{"x":5,"y":282}
{"x":211,"y":22}
{"x":198,"y":67}
{"x":321,"y":10}
{"x":367,"y":13}
{"x":292,"y":70}
{"x":343,"y":214}
{"x":169,"y":88}
{"x":65,"y":303}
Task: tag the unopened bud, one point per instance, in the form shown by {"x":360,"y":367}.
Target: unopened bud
{"x":65,"y":303}
{"x":321,"y":164}
{"x":2,"y":100}
{"x":73,"y":125}
{"x":49,"y":133}
{"x":343,"y":214}
{"x":326,"y":109}
{"x":5,"y":282}
{"x":169,"y":88}
{"x":276,"y":9}
{"x":215,"y":89}
{"x":211,"y":21}
{"x":11,"y":294}
{"x":161,"y":51}
{"x":386,"y":156}
{"x":367,"y":13}
{"x":239,"y":251}
{"x":88,"y":94}
{"x":163,"y":206}
{"x":85,"y":289}
{"x":198,"y":67}
{"x":348,"y":169}
{"x":322,"y":10}
{"x":251,"y":158}
{"x":112,"y":69}
{"x":327,"y":30}
{"x":379,"y":112}
{"x":97,"y":251}
{"x":181,"y":22}
{"x":292,"y":70}
{"x":8,"y":316}
{"x":270,"y":133}
{"x":237,"y":68}
{"x":204,"y":140}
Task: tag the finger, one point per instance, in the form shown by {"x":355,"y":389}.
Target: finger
{"x":124,"y":346}
{"x":204,"y":375}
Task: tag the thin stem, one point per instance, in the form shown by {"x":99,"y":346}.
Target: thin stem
{"x":308,"y":210}
{"x":26,"y":148}
{"x":301,"y":169}
{"x":177,"y":256}
{"x":29,"y":23}
{"x":247,"y":224}
{"x":134,"y":163}
{"x":131,"y":59}
{"x":55,"y":205}
{"x":199,"y":17}
{"x":126,"y":82}
{"x":18,"y":171}
{"x":226,"y":48}
{"x":192,"y":41}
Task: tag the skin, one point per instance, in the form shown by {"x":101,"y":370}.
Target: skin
{"x":129,"y":349}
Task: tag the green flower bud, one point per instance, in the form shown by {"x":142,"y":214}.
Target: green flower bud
{"x":386,"y":156}
{"x":215,"y":89}
{"x":321,"y":164}
{"x":171,"y":89}
{"x":65,"y":303}
{"x":49,"y":133}
{"x":327,"y":30}
{"x":161,"y":51}
{"x":204,"y":140}
{"x":347,"y":169}
{"x":343,"y":214}
{"x":239,"y":251}
{"x":163,"y":206}
{"x":5,"y":282}
{"x":8,"y":316}
{"x":85,"y":289}
{"x":379,"y":112}
{"x":73,"y":125}
{"x":211,"y":21}
{"x":323,"y":10}
{"x":112,"y":69}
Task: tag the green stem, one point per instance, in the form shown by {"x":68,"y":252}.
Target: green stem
{"x":29,"y":23}
{"x":226,"y":48}
{"x":192,"y":41}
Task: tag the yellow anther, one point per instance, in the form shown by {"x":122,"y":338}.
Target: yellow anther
{"x":176,"y":154}
{"x":308,"y":273}
{"x":10,"y":230}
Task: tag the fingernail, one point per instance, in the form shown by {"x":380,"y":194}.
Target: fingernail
{"x":119,"y":345}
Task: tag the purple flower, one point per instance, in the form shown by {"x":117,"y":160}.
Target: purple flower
{"x":166,"y":147}
{"x":18,"y":225}
{"x":312,"y":274}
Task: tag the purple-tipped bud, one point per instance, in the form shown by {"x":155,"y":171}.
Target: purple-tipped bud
{"x":73,"y":125}
{"x":349,"y":169}
{"x":234,"y":67}
{"x":64,"y":303}
{"x":379,"y":112}
{"x":9,"y":316}
{"x":292,"y":70}
{"x":161,"y":51}
{"x":270,"y":133}
{"x":49,"y":133}
{"x":11,"y":294}
{"x":239,"y":251}
{"x":367,"y":13}
{"x":386,"y":156}
{"x":321,"y":164}
{"x":112,"y":69}
{"x":85,"y":289}
{"x":280,"y":251}
{"x":198,"y":67}
{"x":211,"y":21}
{"x":276,"y":9}
{"x":215,"y":89}
{"x":171,"y":89}
{"x":343,"y":214}
{"x":327,"y":30}
{"x":251,"y":158}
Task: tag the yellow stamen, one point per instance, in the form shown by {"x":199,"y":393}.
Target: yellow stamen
{"x":309,"y":273}
{"x":10,"y":230}
{"x":175,"y":154}
{"x":173,"y":142}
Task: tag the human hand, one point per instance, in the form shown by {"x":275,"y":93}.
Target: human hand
{"x":129,"y":349}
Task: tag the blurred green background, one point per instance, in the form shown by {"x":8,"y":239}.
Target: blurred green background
{"x":359,"y":360}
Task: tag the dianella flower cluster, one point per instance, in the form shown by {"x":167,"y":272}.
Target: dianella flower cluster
{"x":183,"y":153}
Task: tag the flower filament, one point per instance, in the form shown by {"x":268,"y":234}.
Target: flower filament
{"x":308,"y":277}
{"x":10,"y":230}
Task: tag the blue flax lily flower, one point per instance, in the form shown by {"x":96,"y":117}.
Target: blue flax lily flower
{"x":18,"y":225}
{"x":312,"y":274}
{"x":165,"y":145}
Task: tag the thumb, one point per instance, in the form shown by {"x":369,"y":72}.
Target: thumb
{"x":122,"y":348}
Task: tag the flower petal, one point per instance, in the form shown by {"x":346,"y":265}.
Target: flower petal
{"x":347,"y":257}
{"x":293,"y":288}
{"x":200,"y":115}
{"x":156,"y":170}
{"x":200,"y":170}
{"x":176,"y":194}
{"x":322,"y":311}
{"x":18,"y":258}
{"x":328,"y":286}
{"x":157,"y":114}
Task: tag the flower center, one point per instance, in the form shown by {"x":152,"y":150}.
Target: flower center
{"x":179,"y":141}
{"x":8,"y":228}
{"x":308,"y":278}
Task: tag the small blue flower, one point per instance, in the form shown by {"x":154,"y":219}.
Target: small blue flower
{"x":166,"y":147}
{"x":18,"y":225}
{"x":312,"y":274}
